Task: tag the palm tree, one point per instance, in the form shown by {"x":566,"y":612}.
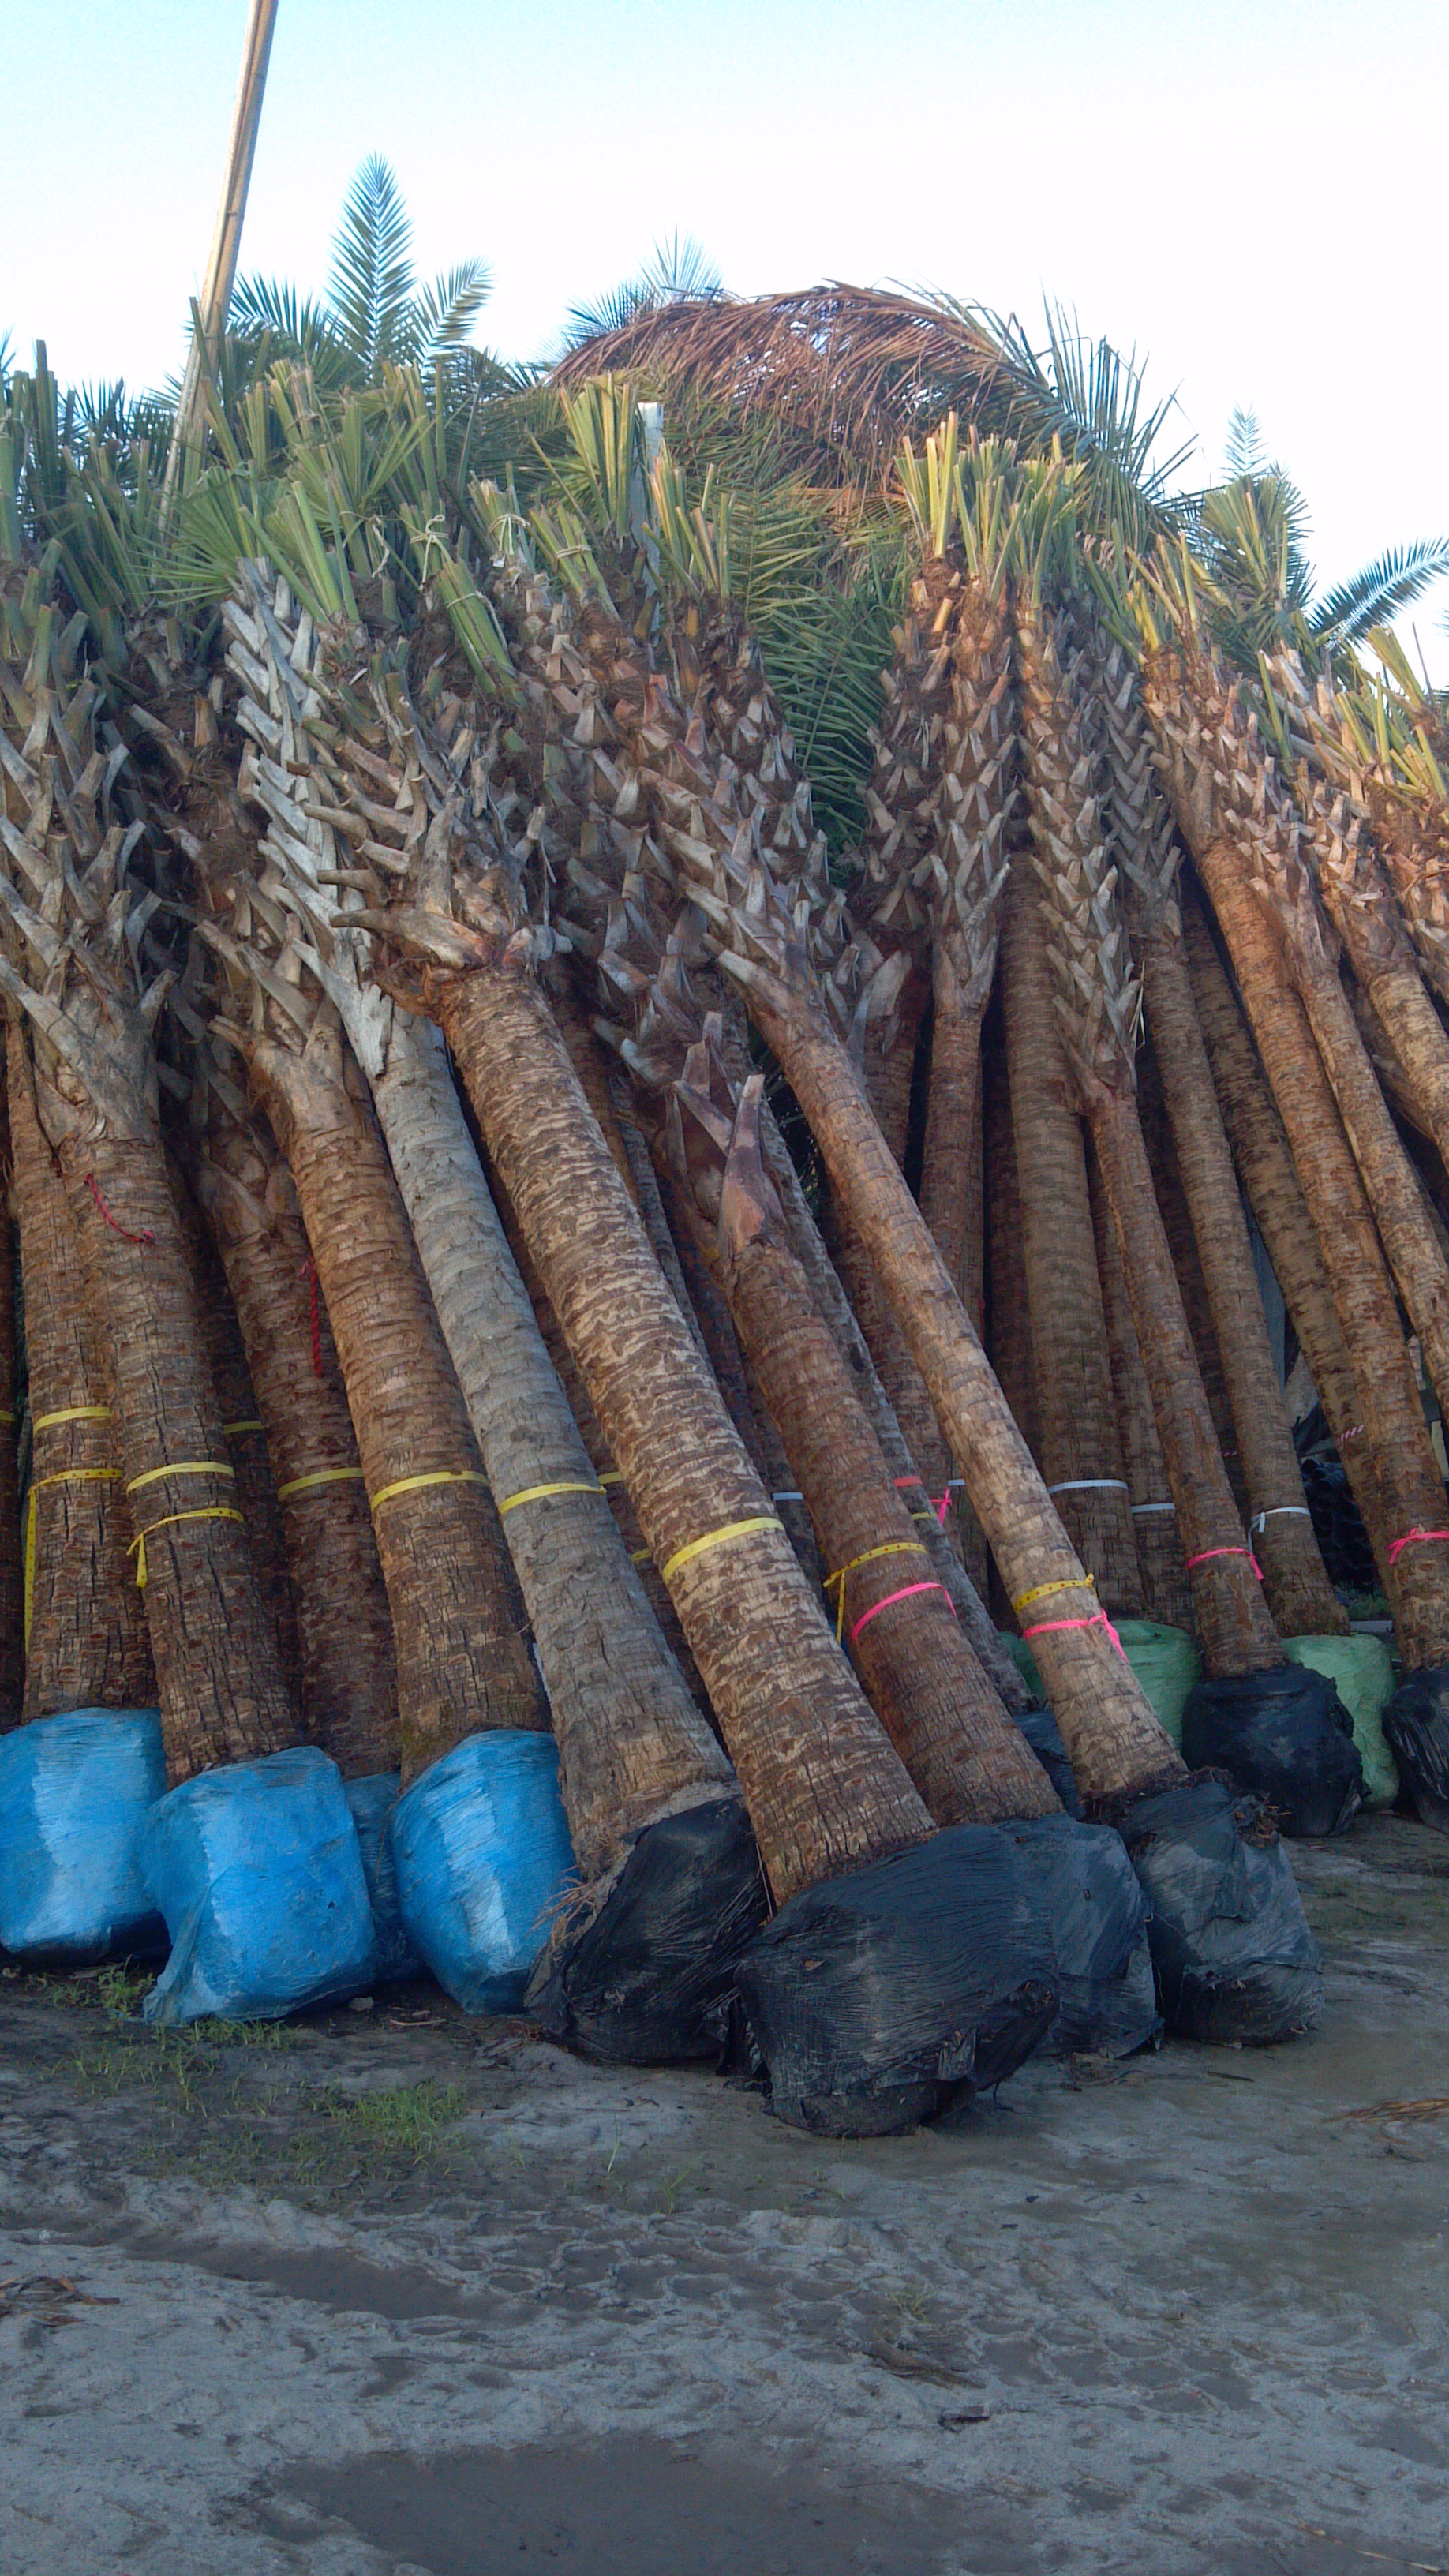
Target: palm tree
{"x":1146,"y":849}
{"x":219,"y":1683}
{"x":85,"y":1640}
{"x":677,"y":271}
{"x":375,"y":313}
{"x":1098,"y":1002}
{"x":1387,"y":1406}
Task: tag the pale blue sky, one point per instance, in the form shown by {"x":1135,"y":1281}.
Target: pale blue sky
{"x":1251,"y":195}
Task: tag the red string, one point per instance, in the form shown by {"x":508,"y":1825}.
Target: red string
{"x":1226,"y":1551}
{"x":1099,"y":1619}
{"x":315,"y":1317}
{"x":890,"y":1600}
{"x":93,"y":1185}
{"x":1413,"y":1538}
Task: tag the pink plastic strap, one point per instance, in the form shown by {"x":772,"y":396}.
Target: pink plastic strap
{"x":908,"y":1480}
{"x":890,"y":1600}
{"x":1233,"y":1551}
{"x":1415,"y":1538}
{"x":1099,"y":1619}
{"x":942,"y":1507}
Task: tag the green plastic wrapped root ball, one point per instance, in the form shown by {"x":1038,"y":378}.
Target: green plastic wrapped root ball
{"x":1165,"y":1660}
{"x":1363,"y":1673}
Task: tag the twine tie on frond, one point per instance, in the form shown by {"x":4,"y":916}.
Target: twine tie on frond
{"x":1416,"y":1538}
{"x":417,"y":1484}
{"x":538,"y":1493}
{"x":145,"y":1235}
{"x":719,"y":1538}
{"x":317,"y":1477}
{"x":65,"y":1476}
{"x":1206,"y":1553}
{"x":171,"y":1520}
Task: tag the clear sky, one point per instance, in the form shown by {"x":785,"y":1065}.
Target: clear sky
{"x":1249,"y":192}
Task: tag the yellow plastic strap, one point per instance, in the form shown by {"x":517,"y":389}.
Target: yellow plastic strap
{"x":205,"y":1512}
{"x":719,"y":1538}
{"x":893,"y":1547}
{"x":612,"y":1476}
{"x":536,"y":1494}
{"x":319,"y":1476}
{"x":1078,"y":1583}
{"x":66,"y":1476}
{"x":641,"y":1556}
{"x":72,"y":1413}
{"x":7,"y":1421}
{"x":234,"y":1430}
{"x":415,"y":1484}
{"x":186,"y":1467}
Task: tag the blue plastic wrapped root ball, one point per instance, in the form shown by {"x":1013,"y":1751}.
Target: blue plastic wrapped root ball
{"x":372,"y":1801}
{"x":258,"y":1872}
{"x":483,"y":1857}
{"x":75,"y":1792}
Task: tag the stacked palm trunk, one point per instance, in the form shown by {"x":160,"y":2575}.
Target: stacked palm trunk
{"x":486,"y":1488}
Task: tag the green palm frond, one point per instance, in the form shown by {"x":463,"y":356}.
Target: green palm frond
{"x":1245,"y":454}
{"x":677,"y":271}
{"x":370,"y":291}
{"x":442,"y":315}
{"x":1379,"y":591}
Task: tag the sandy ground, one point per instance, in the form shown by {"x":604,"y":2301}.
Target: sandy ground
{"x":394,"y":2291}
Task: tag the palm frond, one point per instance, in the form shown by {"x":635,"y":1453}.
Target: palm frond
{"x":443,"y":314}
{"x":1245,"y":454}
{"x":371,"y":287}
{"x":677,"y":271}
{"x":1378,"y":591}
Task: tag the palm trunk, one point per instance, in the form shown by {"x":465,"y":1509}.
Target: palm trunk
{"x":348,"y":1666}
{"x":12,"y":1610}
{"x":1077,"y":1441}
{"x":1299,"y":1593}
{"x":1114,"y":1741}
{"x":632,"y":1745}
{"x":1182,"y":1244}
{"x":1264,"y":1164}
{"x":246,"y":1446}
{"x":1237,"y":1634}
{"x":833,"y":1304}
{"x":1386,"y":1408}
{"x":1159,"y":1549}
{"x":1008,"y":1315}
{"x":461,"y":1665}
{"x":86,"y":1644}
{"x":219,"y":1683}
{"x":823,"y":1786}
{"x":919,"y":1673}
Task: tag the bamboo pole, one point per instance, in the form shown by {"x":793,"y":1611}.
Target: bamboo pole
{"x":210,"y":311}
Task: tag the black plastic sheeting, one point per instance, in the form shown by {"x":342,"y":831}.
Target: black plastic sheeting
{"x":1286,"y":1736}
{"x":1235,"y":1959}
{"x":1416,"y":1727}
{"x":647,"y":1980}
{"x":1097,"y":1915}
{"x":1045,"y":1738}
{"x":892,"y":1993}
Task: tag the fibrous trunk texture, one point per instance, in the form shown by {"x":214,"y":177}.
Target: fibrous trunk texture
{"x":86,"y":1644}
{"x":823,"y":1786}
{"x":348,"y":1686}
{"x":12,"y":1641}
{"x":1077,"y":1443}
{"x":461,"y":1665}
{"x":1165,"y":1585}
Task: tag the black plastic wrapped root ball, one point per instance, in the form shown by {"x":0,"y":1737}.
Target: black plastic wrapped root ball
{"x":1097,"y":1917}
{"x":1234,"y":1956}
{"x":1416,"y":1730}
{"x":1043,"y":1734}
{"x":1286,"y":1736}
{"x":897,"y":1990}
{"x":647,"y":1979}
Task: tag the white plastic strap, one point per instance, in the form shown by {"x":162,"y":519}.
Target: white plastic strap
{"x":787,"y":1498}
{"x":1139,"y":1510}
{"x":1281,"y":1512}
{"x":1091,"y":1485}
